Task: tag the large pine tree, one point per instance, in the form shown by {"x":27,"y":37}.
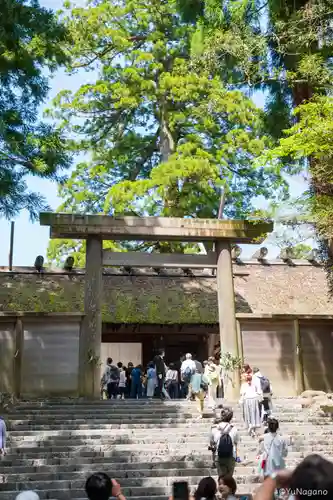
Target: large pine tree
{"x":165,"y":136}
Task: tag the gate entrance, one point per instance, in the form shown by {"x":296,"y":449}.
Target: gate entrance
{"x":96,"y":228}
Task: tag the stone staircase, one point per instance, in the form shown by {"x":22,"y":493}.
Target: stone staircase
{"x":54,"y":445}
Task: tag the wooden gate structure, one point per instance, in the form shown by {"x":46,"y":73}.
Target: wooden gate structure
{"x":96,"y":228}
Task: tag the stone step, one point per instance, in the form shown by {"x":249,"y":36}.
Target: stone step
{"x":143,"y":408}
{"x":278,"y":402}
{"x":102,"y":432}
{"x":126,"y":483}
{"x":39,"y":420}
{"x":53,"y":446}
{"x":135,"y":412}
{"x":122,"y":462}
{"x":122,"y":476}
{"x":52,"y":473}
{"x":159,"y":454}
{"x":21,"y":426}
{"x":139,"y":432}
{"x":144,"y":403}
{"x":121,"y":443}
{"x":103,"y":442}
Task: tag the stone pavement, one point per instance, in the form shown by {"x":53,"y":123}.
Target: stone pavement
{"x":54,"y":445}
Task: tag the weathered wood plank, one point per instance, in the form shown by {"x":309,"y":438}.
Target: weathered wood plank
{"x":160,"y":260}
{"x":153,"y":228}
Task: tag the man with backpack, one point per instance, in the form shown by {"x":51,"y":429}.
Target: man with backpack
{"x":265,"y":406}
{"x":187,"y":369}
{"x":110,"y":379}
{"x":223,"y":443}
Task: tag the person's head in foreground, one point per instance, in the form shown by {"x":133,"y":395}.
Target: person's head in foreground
{"x":27,"y":495}
{"x":272,"y":425}
{"x":227,"y":486}
{"x":313,"y":476}
{"x":100,"y":487}
{"x":206,"y":489}
{"x":226,"y":414}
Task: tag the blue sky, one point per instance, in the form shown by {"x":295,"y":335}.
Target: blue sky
{"x":31,"y":239}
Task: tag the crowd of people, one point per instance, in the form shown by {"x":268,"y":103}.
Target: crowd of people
{"x":189,"y":378}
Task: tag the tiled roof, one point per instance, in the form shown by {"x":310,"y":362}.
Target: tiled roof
{"x":143,"y":298}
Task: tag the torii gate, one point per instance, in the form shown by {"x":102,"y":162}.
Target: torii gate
{"x":96,"y":228}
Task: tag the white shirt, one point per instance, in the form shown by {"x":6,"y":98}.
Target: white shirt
{"x":188,"y":363}
{"x":172,"y":375}
{"x":252,"y":390}
{"x":258,"y":376}
{"x":122,"y":379}
{"x":217,"y":431}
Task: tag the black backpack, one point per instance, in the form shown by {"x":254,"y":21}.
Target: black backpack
{"x":114,"y":374}
{"x":265,"y":385}
{"x":225,"y":447}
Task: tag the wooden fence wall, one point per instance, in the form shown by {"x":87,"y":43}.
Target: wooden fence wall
{"x":295,"y":353}
{"x":39,"y":354}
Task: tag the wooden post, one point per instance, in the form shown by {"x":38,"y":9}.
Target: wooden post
{"x":11,"y":245}
{"x":227,"y":313}
{"x":298,"y":359}
{"x":18,"y":357}
{"x":91,"y":331}
{"x":239,"y":340}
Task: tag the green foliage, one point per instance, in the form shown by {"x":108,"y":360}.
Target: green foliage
{"x":292,"y":229}
{"x":164,"y":136}
{"x":283,"y":48}
{"x":311,"y":137}
{"x":300,"y":251}
{"x":230,"y":363}
{"x":30,"y":41}
{"x":59,"y":250}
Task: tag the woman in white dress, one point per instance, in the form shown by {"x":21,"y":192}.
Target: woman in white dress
{"x":212,"y":374}
{"x":250,"y":396}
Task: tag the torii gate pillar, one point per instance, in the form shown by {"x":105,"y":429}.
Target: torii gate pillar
{"x":91,"y":330}
{"x":227,"y":313}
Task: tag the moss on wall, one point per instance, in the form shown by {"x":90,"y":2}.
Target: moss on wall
{"x":125,"y":300}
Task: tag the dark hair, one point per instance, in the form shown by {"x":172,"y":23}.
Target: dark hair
{"x":206,"y":489}
{"x":246,"y":368}
{"x":150,"y":364}
{"x":230,"y":482}
{"x":226,"y":414}
{"x":172,"y":366}
{"x":109,"y":361}
{"x":98,"y":486}
{"x":273,"y":424}
{"x":255,"y":369}
{"x":120,"y":365}
{"x":314,"y":474}
{"x":161,"y":351}
{"x":139,"y":367}
{"x":130,"y":363}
